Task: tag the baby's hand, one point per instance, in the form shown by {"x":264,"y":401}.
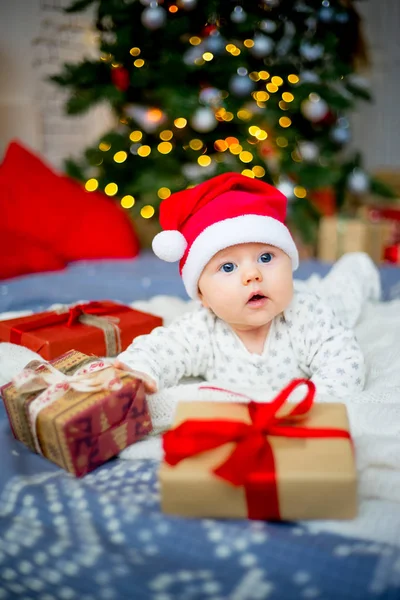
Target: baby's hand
{"x":150,"y":386}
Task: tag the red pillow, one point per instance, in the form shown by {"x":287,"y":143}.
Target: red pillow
{"x":20,"y":255}
{"x":60,"y":213}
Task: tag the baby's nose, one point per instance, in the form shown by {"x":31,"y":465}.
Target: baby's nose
{"x":252,"y":275}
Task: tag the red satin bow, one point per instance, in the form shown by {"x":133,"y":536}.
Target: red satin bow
{"x":68,"y":318}
{"x":251,"y":463}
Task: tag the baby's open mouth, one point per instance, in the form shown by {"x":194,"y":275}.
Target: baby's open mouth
{"x":256,"y":298}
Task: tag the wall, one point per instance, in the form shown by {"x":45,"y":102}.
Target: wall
{"x":36,"y":37}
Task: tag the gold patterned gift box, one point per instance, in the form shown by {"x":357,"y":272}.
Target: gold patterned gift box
{"x":77,"y":411}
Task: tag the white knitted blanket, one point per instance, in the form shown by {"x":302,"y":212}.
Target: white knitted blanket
{"x":374,"y":413}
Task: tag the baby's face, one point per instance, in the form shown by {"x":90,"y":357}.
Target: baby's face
{"x":247,"y":285}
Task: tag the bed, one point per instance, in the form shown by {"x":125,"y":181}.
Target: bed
{"x":103,"y":537}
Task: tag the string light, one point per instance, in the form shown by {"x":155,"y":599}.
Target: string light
{"x":272,"y":87}
{"x":180,"y":123}
{"x":196,"y":144}
{"x":127,"y":201}
{"x":207,"y":56}
{"x":147,"y":211}
{"x":244,"y":115}
{"x":163,"y":193}
{"x":248,"y":173}
{"x":120,"y":156}
{"x":287,"y":97}
{"x":164,"y":147}
{"x":111,"y":189}
{"x":139,"y":62}
{"x":299,"y":191}
{"x":173,"y":8}
{"x":136,"y":136}
{"x":285,"y":122}
{"x":293,"y":78}
{"x":246,"y":156}
{"x":220,"y":145}
{"x":258,"y":171}
{"x":166,"y":135}
{"x":144,"y":151}
{"x":264,"y":75}
{"x":204,"y":160}
{"x":277,"y":80}
{"x":134,"y":51}
{"x":194,"y":40}
{"x":248,"y":43}
{"x":235,"y":149}
{"x":281,"y":142}
{"x":104,"y":146}
{"x":261,"y":135}
{"x":91,"y":185}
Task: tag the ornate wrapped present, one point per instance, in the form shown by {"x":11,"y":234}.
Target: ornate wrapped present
{"x":102,"y":328}
{"x":274,"y":461}
{"x":77,"y":411}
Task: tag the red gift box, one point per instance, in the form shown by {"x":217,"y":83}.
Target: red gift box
{"x":77,"y":411}
{"x":102,"y":328}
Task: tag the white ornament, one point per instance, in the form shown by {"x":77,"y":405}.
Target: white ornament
{"x":263,"y":45}
{"x":326,"y":14}
{"x":286,"y":187}
{"x":358,"y":181}
{"x":311,"y":51}
{"x":187,"y":4}
{"x":210,"y":96}
{"x":308,"y":151}
{"x":241,"y":85}
{"x":359,"y":81}
{"x":154,"y":17}
{"x":193,"y":54}
{"x":215,"y":43}
{"x":238,"y":15}
{"x":309,"y":77}
{"x":314,"y":109}
{"x":203,"y":120}
{"x":340,"y":135}
{"x":169,"y":245}
{"x":268,"y":26}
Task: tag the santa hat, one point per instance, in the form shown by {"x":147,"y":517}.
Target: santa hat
{"x":224,"y":211}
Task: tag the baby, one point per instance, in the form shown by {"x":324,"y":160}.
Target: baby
{"x":250,"y":329}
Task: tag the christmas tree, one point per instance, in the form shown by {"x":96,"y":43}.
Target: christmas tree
{"x":201,"y":87}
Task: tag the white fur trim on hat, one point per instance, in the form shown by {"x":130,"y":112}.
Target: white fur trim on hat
{"x":229,"y":232}
{"x":169,"y":245}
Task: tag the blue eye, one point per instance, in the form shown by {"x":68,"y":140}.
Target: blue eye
{"x":266,"y":257}
{"x":227,"y":267}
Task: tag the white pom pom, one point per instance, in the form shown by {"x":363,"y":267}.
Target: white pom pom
{"x":169,"y":245}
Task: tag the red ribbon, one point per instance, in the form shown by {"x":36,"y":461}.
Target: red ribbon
{"x":251,"y":463}
{"x":68,"y":318}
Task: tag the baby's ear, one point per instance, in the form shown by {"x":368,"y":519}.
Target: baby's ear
{"x":202,"y":299}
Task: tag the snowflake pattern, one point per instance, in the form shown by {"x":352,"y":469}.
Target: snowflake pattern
{"x":104,"y":537}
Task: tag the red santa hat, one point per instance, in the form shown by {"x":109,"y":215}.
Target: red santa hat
{"x":226,"y":210}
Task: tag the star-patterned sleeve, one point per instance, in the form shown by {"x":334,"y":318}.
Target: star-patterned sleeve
{"x":169,"y":353}
{"x":327,"y":351}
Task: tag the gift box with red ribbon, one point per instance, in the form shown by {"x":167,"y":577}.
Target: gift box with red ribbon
{"x":77,"y":411}
{"x":102,"y":328}
{"x":270,"y":461}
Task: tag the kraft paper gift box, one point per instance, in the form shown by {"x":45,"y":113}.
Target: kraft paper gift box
{"x":102,"y":328}
{"x":77,"y":411}
{"x":338,"y":235}
{"x":206,"y":475}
